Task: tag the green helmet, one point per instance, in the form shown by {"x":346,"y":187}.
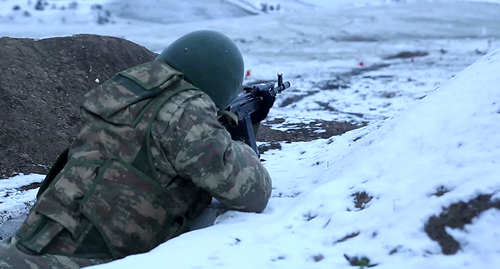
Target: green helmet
{"x":210,"y":61}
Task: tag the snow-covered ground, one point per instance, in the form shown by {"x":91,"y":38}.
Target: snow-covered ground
{"x":344,"y":65}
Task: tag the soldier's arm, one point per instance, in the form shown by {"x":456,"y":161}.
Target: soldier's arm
{"x":200,"y":149}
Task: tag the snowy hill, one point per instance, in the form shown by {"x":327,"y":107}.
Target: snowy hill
{"x":443,"y":150}
{"x":115,"y":11}
{"x":102,"y":12}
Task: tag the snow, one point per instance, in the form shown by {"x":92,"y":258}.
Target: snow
{"x":430,"y":125}
{"x":13,"y":200}
{"x":19,"y":181}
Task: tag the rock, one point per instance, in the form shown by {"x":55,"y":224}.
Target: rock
{"x":41,"y":86}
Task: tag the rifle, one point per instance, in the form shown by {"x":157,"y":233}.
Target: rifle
{"x":238,"y":122}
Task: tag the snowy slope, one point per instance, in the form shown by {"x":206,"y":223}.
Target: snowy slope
{"x":65,"y":12}
{"x":85,"y":11}
{"x":90,"y":12}
{"x":47,"y":13}
{"x":450,"y":139}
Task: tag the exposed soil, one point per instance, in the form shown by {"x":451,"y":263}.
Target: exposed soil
{"x":362,"y":70}
{"x":347,"y":237}
{"x":361,"y":199}
{"x":31,"y":186}
{"x":407,"y":54}
{"x":294,"y":99}
{"x":333,"y":84}
{"x":297,"y":132}
{"x":456,"y":216}
{"x":268,"y":146}
{"x":41,"y":83}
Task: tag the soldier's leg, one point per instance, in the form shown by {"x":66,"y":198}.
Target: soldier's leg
{"x":12,"y":257}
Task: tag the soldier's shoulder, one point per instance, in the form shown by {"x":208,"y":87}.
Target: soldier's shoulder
{"x":192,"y":98}
{"x":190,"y":101}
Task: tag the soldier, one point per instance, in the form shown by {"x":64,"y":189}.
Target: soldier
{"x":150,"y":155}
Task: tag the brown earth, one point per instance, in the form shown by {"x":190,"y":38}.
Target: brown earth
{"x":41,"y":86}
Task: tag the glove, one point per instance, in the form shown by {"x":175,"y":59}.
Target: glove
{"x":264,"y":106}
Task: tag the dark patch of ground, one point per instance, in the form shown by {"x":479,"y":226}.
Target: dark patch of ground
{"x":281,"y":257}
{"x":440,"y":191}
{"x":275,"y":121}
{"x":355,"y":38}
{"x":379,"y":77}
{"x":395,"y":250}
{"x":362,"y":70}
{"x":318,"y":257}
{"x":326,"y":106}
{"x":298,"y":132}
{"x":332,"y":84}
{"x":310,"y":216}
{"x":294,"y":99}
{"x":286,"y":195}
{"x":361,"y":199}
{"x":31,"y":186}
{"x":388,"y":95}
{"x":347,"y":237}
{"x":407,"y":54}
{"x":41,"y":84}
{"x":456,"y":216}
{"x":268,"y":146}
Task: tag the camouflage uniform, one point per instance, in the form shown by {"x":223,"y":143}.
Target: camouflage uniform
{"x":150,"y":155}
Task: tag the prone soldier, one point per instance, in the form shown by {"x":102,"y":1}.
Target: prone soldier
{"x":150,"y":155}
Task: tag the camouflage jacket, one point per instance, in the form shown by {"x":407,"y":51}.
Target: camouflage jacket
{"x":150,"y":154}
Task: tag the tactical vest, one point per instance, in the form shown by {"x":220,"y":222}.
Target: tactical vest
{"x":104,"y":191}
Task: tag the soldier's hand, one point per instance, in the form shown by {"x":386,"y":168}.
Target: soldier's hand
{"x":264,"y":106}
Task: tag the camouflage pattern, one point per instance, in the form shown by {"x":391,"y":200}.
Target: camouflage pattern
{"x":150,"y":155}
{"x":11,"y":257}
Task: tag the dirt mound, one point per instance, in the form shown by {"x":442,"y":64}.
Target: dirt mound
{"x":41,"y":85}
